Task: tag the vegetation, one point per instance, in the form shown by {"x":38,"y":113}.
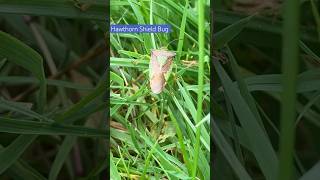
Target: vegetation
{"x":53,"y":87}
{"x":166,"y":135}
{"x":265,"y":104}
{"x":265,"y":98}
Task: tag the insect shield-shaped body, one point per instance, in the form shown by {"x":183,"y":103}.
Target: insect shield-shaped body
{"x":160,"y":64}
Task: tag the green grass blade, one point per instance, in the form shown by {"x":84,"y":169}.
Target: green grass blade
{"x":243,"y":87}
{"x":259,"y":141}
{"x":203,"y":137}
{"x":290,"y":66}
{"x":230,"y":156}
{"x":316,"y":16}
{"x":181,"y":141}
{"x":17,"y":52}
{"x":60,"y":158}
{"x":20,"y":54}
{"x":222,"y":37}
{"x":21,"y":170}
{"x":201,"y":39}
{"x":307,"y":82}
{"x":140,"y":19}
{"x":2,"y":62}
{"x":18,"y":80}
{"x":19,"y":108}
{"x":151,"y":22}
{"x":89,"y":98}
{"x":67,"y":8}
{"x":182,"y":31}
{"x":10,"y":125}
{"x":113,"y":169}
{"x":11,"y":153}
{"x":313,"y":173}
{"x":147,"y":160}
{"x":307,"y":50}
{"x":305,"y":109}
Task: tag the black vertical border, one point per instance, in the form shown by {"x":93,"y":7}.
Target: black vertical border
{"x":107,"y":40}
{"x":211,"y":88}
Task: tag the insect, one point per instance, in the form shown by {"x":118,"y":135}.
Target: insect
{"x":160,"y":64}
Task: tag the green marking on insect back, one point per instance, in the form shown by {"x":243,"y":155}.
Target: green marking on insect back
{"x":162,"y":60}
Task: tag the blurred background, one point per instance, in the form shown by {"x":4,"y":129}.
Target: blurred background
{"x":53,"y":84}
{"x":248,"y":88}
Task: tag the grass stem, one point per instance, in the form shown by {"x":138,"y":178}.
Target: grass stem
{"x":201,"y":36}
{"x":290,"y":66}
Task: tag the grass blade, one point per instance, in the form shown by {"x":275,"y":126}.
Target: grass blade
{"x":201,"y":37}
{"x":180,"y":138}
{"x":31,"y":127}
{"x":113,"y":169}
{"x":96,"y":10}
{"x":259,"y":141}
{"x":140,"y":19}
{"x":11,"y":153}
{"x":182,"y":31}
{"x":17,"y":107}
{"x":316,"y":16}
{"x":243,"y":87}
{"x":222,"y":37}
{"x":21,"y":170}
{"x":18,"y":80}
{"x":290,"y":66}
{"x":60,"y":158}
{"x":313,"y":173}
{"x":230,"y":156}
{"x":22,"y":55}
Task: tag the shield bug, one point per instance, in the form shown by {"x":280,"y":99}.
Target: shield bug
{"x":160,"y":64}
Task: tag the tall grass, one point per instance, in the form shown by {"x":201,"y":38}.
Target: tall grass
{"x":290,"y":69}
{"x":52,"y":88}
{"x":167,"y":135}
{"x":201,"y":41}
{"x":261,"y":78}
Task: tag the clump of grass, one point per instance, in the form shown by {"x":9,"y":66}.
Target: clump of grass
{"x":261,"y":88}
{"x":52,"y":97}
{"x":166,"y":135}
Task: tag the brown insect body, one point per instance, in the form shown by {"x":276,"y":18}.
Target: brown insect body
{"x":159,"y":69}
{"x":157,"y":83}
